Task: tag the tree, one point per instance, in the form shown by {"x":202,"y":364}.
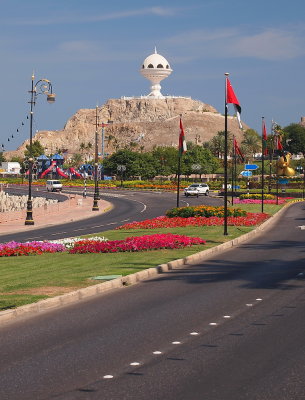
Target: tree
{"x":200,"y":157}
{"x":2,"y":158}
{"x":294,"y":139}
{"x":128,"y":158}
{"x":165,"y":160}
{"x":77,"y":160}
{"x":251,"y":143}
{"x":217,"y":144}
{"x":37,"y":149}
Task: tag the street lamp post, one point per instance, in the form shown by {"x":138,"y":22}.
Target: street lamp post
{"x":42,"y":86}
{"x":96,"y":196}
{"x":121,"y":169}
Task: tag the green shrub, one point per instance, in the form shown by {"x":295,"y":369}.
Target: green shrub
{"x":256,"y":196}
{"x":204,"y":211}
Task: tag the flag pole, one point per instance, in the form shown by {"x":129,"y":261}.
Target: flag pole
{"x":181,"y":150}
{"x":232,"y":171}
{"x":178,"y":182}
{"x":263,"y":169}
{"x":225,"y":232}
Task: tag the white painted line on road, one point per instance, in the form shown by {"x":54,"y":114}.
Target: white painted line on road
{"x":108,"y":376}
{"x":157,"y":352}
{"x":176,"y":342}
{"x":135,"y":363}
{"x":227,"y":316}
{"x":213,"y":323}
{"x":259,"y":299}
{"x":302,"y":227}
{"x":194,"y":333}
{"x":249,"y":305}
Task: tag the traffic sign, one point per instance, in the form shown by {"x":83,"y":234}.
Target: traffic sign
{"x":246,"y":173}
{"x":252,"y":167}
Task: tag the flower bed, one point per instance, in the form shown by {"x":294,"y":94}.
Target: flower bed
{"x":280,"y":200}
{"x":99,"y":245}
{"x":30,"y":248}
{"x":256,"y":196}
{"x":133,"y":244}
{"x":165,"y":222}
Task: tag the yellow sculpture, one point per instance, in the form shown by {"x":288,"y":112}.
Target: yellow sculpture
{"x":282,"y":166}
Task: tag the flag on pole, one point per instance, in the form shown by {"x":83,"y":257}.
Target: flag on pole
{"x":264,"y":134}
{"x":277,"y":137}
{"x":232,"y":99}
{"x":237,"y":150}
{"x":182,"y":142}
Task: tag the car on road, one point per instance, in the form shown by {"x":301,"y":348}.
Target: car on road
{"x":54,"y":186}
{"x":197,"y":189}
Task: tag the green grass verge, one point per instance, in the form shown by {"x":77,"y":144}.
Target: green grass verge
{"x":27,"y":279}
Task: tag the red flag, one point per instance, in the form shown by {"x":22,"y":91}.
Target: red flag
{"x":264,"y":134}
{"x":237,"y":150}
{"x":232,"y":99}
{"x":182,"y":142}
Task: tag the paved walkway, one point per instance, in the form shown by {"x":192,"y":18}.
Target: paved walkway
{"x":74,"y":209}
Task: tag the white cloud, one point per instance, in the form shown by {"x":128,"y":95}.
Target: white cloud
{"x":273,"y":44}
{"x":68,"y":19}
{"x":269,"y":44}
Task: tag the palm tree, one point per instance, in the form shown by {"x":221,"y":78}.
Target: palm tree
{"x":77,"y":160}
{"x":82,"y":147}
{"x":251,"y":143}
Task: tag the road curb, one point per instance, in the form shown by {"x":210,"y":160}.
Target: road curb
{"x":132,"y":279}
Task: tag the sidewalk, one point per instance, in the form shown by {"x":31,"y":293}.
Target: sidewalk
{"x":74,"y":209}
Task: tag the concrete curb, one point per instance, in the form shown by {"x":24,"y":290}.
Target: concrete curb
{"x":132,"y":279}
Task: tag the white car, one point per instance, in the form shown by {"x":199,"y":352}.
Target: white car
{"x":54,"y":186}
{"x":197,"y":189}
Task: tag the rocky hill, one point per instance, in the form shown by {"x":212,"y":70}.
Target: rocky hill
{"x":137,"y":123}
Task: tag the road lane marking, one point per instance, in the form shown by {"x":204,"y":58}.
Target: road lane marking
{"x":227,"y":316}
{"x":157,"y":352}
{"x":108,"y":376}
{"x":134,"y":363}
{"x":194,"y":333}
{"x":213,"y":323}
{"x":176,"y":342}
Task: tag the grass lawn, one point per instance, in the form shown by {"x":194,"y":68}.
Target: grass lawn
{"x":27,"y":279}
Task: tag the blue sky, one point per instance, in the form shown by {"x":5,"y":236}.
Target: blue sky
{"x":92,"y":51}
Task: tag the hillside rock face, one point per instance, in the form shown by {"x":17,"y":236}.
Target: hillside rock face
{"x":138,"y":124}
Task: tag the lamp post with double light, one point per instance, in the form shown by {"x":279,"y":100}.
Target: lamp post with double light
{"x":42,"y":86}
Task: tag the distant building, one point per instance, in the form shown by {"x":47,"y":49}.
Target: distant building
{"x":10,"y":167}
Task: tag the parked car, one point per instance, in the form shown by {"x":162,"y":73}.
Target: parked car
{"x":54,"y":186}
{"x":197,"y":189}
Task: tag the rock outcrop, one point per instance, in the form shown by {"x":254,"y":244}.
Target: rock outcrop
{"x":137,"y":123}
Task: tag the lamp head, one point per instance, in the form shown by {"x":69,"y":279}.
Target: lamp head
{"x":51,"y":98}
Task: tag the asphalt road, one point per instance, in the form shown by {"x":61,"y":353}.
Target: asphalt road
{"x":127,"y":206}
{"x":229,"y":328}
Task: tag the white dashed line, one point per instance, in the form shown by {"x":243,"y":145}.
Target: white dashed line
{"x":259,"y":299}
{"x":249,"y":305}
{"x":194,"y":333}
{"x":157,"y":352}
{"x":176,"y":342}
{"x":108,"y":376}
{"x":227,"y":316}
{"x":134,"y":363}
{"x":213,"y":323}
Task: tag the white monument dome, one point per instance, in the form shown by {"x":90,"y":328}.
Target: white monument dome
{"x":155,"y":68}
